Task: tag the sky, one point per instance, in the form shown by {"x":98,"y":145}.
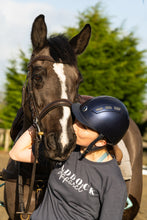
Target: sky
{"x":17,"y":16}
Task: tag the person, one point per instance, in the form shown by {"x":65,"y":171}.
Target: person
{"x":89,"y":184}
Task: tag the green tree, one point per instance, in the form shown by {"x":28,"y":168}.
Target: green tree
{"x":112,"y":64}
{"x":15,"y":76}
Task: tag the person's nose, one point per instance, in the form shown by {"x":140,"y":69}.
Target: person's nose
{"x":75,"y":127}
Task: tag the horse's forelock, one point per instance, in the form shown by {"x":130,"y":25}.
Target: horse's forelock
{"x":61,"y":49}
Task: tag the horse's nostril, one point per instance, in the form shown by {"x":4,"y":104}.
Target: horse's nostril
{"x":54,"y":148}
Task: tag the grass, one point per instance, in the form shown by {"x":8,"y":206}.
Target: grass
{"x":145,"y":157}
{"x":2,"y":148}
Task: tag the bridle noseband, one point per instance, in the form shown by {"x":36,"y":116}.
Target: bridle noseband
{"x":46,"y":110}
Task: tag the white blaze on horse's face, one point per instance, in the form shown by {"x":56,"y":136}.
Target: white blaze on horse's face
{"x":59,"y":70}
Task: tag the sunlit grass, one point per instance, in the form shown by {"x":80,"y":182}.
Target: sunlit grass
{"x":145,"y":157}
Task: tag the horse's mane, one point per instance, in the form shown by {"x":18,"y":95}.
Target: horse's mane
{"x":61,"y":49}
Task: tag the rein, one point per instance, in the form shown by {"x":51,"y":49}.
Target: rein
{"x":37,"y":117}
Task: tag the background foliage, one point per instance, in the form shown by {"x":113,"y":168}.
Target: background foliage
{"x":15,"y":75}
{"x":111,"y":65}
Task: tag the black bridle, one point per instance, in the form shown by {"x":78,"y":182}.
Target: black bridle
{"x":37,"y":117}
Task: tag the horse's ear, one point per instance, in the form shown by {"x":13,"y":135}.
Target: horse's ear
{"x":39,"y":32}
{"x":81,"y":40}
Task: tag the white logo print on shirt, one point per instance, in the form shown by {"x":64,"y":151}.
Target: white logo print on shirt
{"x":77,"y":183}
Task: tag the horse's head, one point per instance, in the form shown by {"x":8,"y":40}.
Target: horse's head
{"x":53,"y":75}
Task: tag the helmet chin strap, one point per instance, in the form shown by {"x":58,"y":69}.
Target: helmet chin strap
{"x":91,"y":148}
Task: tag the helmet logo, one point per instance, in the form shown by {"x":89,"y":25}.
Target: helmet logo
{"x":107,"y":108}
{"x":85,"y":108}
{"x":117,"y":108}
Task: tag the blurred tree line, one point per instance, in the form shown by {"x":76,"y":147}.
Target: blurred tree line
{"x":15,"y":78}
{"x":111,"y":65}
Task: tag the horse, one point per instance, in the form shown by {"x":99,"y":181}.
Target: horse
{"x":50,"y":88}
{"x":49,"y":60}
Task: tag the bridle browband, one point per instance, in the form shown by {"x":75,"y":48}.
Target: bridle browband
{"x":37,"y":117}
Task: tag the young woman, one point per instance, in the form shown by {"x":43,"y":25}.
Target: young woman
{"x":89,"y":185}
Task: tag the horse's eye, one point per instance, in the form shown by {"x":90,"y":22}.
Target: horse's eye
{"x":37,"y":78}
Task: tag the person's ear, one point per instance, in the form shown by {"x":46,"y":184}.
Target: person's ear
{"x":100,"y":143}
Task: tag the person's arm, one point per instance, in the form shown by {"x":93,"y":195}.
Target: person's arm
{"x":22,"y":149}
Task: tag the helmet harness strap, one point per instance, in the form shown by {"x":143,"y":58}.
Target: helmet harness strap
{"x":91,"y":148}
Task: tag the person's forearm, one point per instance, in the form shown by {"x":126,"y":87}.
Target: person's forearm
{"x":22,"y":149}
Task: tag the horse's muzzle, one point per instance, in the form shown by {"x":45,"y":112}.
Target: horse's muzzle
{"x":54,"y":149}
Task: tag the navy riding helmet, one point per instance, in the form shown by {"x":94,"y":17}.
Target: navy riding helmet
{"x":106,"y":115}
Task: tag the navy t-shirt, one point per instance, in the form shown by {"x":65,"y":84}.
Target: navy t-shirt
{"x":82,"y":189}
